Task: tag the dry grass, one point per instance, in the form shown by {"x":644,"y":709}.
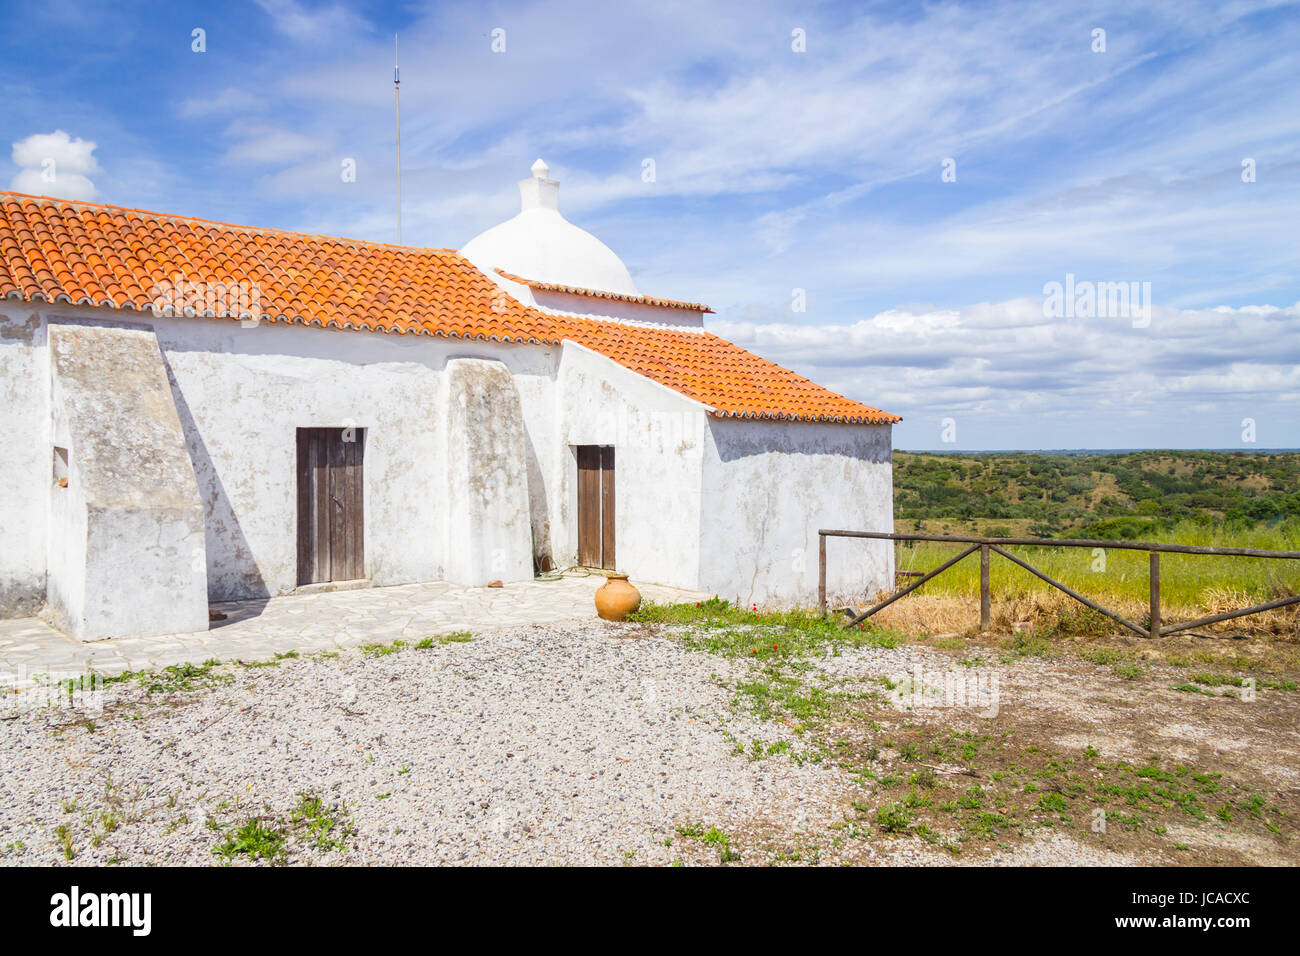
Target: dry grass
{"x":920,"y":613}
{"x":1268,"y":642}
{"x":1115,"y":574}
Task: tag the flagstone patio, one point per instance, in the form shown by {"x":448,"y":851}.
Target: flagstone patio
{"x":260,"y":629}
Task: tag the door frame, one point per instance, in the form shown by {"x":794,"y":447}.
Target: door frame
{"x":599,"y":542}
{"x":340,"y":453}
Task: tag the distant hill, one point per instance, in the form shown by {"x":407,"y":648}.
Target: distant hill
{"x":1117,"y":495}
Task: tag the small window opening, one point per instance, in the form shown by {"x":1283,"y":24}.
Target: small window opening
{"x":61,"y":467}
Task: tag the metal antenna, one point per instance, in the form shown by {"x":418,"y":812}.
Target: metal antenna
{"x":397,"y":108}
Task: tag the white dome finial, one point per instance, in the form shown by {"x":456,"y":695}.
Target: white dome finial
{"x":540,"y":244}
{"x":539,"y":192}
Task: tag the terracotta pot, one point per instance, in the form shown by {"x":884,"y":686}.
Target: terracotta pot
{"x":617,"y":598}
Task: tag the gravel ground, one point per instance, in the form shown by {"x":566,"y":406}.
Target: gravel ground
{"x":584,"y":745}
{"x":600,"y":744}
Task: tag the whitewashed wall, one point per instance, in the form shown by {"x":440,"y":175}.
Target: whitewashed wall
{"x":488,"y":530}
{"x":721,"y":505}
{"x":248,"y":390}
{"x":126,"y":535}
{"x":658,"y":439}
{"x":241,"y":393}
{"x":26,"y":463}
{"x":769,"y":486}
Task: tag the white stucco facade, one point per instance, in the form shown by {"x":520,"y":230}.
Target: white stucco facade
{"x":722,"y":505}
{"x":152,"y":463}
{"x":771,"y":486}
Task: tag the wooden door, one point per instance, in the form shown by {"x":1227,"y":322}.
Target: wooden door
{"x":596,"y":506}
{"x":607,"y":507}
{"x":331,"y":525}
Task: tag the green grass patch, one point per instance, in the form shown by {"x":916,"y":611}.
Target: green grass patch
{"x":1229,"y":680}
{"x":256,"y":840}
{"x":383,"y":650}
{"x":720,"y":627}
{"x":311,"y":823}
{"x":713,"y":837}
{"x":176,"y":678}
{"x":893,"y":818}
{"x":322,"y":826}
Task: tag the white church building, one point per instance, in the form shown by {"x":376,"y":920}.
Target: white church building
{"x":193,"y":411}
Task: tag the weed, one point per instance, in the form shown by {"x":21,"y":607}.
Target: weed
{"x":1053,"y":803}
{"x":735,"y":631}
{"x":326,"y":828}
{"x":712,"y":836}
{"x":63,"y":836}
{"x":178,"y":678}
{"x":382,"y":650}
{"x":893,"y":818}
{"x":255,"y":840}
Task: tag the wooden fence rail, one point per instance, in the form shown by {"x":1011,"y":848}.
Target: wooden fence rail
{"x":989,"y":546}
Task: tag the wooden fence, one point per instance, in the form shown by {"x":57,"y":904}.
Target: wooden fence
{"x":990,"y":546}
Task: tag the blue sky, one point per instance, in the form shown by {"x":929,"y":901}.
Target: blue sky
{"x":775,"y":171}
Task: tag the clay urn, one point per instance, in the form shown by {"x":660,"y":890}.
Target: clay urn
{"x":617,"y":598}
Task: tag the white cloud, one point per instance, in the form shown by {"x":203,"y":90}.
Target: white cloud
{"x":1013,"y":378}
{"x":229,"y":100}
{"x":55,"y":164}
{"x":333,"y":22}
{"x":820,"y":171}
{"x":270,"y":144}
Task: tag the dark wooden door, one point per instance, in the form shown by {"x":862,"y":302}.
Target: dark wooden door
{"x":596,"y":506}
{"x":331,"y":525}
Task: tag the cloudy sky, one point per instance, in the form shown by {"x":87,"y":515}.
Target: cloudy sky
{"x":878,"y":195}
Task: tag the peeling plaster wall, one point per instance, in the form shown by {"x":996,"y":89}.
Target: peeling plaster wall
{"x":67,"y":528}
{"x":658,"y":437}
{"x":126,"y":534}
{"x":769,"y":487}
{"x":26,"y":467}
{"x":489,"y":535}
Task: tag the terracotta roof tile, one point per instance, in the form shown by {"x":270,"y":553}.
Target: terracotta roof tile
{"x":54,"y":250}
{"x":598,"y":294}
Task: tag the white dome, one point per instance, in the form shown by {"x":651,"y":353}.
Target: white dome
{"x":542,"y":245}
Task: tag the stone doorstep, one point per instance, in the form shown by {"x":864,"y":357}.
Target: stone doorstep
{"x":327,"y":587}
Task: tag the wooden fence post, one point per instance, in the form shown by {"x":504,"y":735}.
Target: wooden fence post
{"x":1155,"y":593}
{"x":821,"y":572}
{"x":984,"y":587}
{"x":986,"y":546}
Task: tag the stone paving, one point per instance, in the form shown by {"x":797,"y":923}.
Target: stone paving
{"x":258,"y":630}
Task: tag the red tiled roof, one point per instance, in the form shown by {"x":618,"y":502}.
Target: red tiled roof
{"x":597,"y":293}
{"x":54,"y":250}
